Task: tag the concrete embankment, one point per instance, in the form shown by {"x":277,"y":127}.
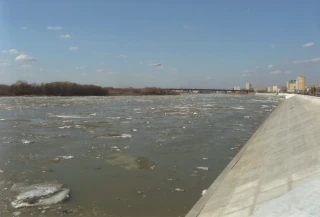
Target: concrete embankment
{"x":282,"y":154}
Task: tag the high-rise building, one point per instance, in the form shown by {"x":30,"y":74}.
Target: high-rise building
{"x":275,"y":89}
{"x":236,"y":88}
{"x":291,"y":86}
{"x":248,"y":86}
{"x":300,"y":84}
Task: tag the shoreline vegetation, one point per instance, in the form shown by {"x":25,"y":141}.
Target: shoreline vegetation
{"x":23,"y":88}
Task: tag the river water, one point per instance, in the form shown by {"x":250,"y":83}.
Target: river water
{"x":146,"y":156}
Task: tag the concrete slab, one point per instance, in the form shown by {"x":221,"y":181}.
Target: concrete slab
{"x":301,"y":201}
{"x":283,"y":154}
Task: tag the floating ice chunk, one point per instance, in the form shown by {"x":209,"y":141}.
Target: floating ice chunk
{"x":134,"y":130}
{"x":240,"y":107}
{"x":93,"y":114}
{"x":126,"y":136}
{"x":40,"y":197}
{"x":202,"y":168}
{"x":67,"y":121}
{"x":203,"y":192}
{"x":67,"y":157}
{"x":246,"y":116}
{"x":2,"y":119}
{"x":113,"y":118}
{"x":65,"y":127}
{"x":1,"y":171}
{"x":114,"y":147}
{"x":16,"y":213}
{"x":179,"y":189}
{"x":195,"y":113}
{"x":205,"y":158}
{"x":24,"y":141}
{"x":69,"y":116}
{"x":56,"y":198}
{"x":42,"y":194}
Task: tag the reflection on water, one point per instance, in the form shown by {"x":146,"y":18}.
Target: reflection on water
{"x":121,"y":156}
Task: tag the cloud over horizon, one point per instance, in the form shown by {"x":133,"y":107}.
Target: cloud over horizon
{"x":11,"y":51}
{"x":25,"y":57}
{"x":82,"y":67}
{"x":73,"y":48}
{"x":65,"y":36}
{"x":123,"y":56}
{"x":313,"y":60}
{"x":310,"y":44}
{"x":54,"y":28}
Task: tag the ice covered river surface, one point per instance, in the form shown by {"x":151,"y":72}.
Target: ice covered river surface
{"x":146,"y":156}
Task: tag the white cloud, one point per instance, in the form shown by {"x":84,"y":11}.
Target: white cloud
{"x":42,"y":70}
{"x":99,"y":70}
{"x":81,"y":67}
{"x":83,"y":74}
{"x":11,"y":51}
{"x":313,"y":60}
{"x":287,"y":72}
{"x":247,"y":71}
{"x":55,"y":28}
{"x":65,"y":36}
{"x":276,"y":72}
{"x":123,"y":56}
{"x":209,"y":78}
{"x":244,"y":75}
{"x":270,"y":66}
{"x":4,"y":64}
{"x":141,"y":62}
{"x":24,"y":28}
{"x":155,"y":64}
{"x":25,"y":67}
{"x":24,"y":57}
{"x":310,"y":44}
{"x":73,"y":48}
{"x":186,"y":27}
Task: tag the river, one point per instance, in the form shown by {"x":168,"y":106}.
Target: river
{"x":149,"y":156}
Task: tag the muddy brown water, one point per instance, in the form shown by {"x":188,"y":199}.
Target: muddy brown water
{"x":130,"y":153}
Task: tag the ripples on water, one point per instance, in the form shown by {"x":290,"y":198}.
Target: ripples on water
{"x":123,"y":156}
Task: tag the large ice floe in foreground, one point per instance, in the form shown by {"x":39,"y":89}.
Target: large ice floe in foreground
{"x":39,"y":195}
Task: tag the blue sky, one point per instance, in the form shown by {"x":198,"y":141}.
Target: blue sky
{"x":122,"y":43}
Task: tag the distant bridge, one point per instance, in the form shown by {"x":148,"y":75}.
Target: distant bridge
{"x":205,"y":90}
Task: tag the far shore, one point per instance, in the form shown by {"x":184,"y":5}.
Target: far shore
{"x":23,"y":88}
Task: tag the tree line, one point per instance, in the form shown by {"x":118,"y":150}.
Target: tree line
{"x":23,"y":88}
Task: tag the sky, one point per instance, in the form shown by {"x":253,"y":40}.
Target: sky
{"x":167,"y":43}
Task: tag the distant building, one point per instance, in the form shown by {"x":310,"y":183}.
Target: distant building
{"x":300,"y":84}
{"x":236,"y":88}
{"x":248,"y":86}
{"x":276,"y":89}
{"x":270,"y":90}
{"x":291,"y":86}
{"x":260,"y":90}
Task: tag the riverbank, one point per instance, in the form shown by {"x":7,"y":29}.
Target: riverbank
{"x":280,"y":156}
{"x":22,"y":88}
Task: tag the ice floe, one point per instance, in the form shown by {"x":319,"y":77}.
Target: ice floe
{"x":202,"y":168}
{"x":39,"y":195}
